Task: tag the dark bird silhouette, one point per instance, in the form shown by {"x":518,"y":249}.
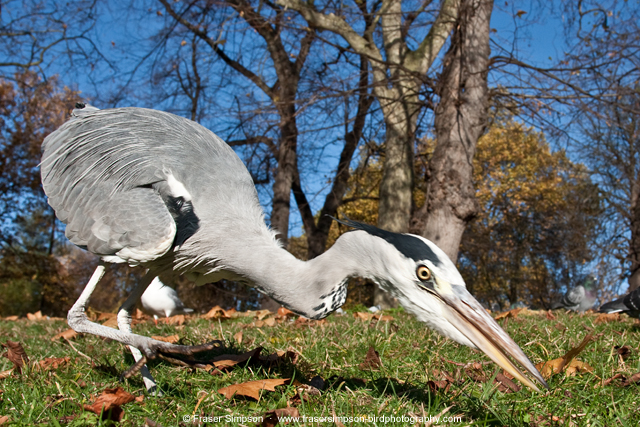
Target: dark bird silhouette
{"x":629,"y":304}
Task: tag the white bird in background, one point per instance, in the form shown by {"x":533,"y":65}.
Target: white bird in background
{"x":162,"y":300}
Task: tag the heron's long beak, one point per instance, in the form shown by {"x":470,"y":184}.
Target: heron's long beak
{"x":466,"y":314}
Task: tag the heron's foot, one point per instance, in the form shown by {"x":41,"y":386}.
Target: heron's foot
{"x":152,"y":349}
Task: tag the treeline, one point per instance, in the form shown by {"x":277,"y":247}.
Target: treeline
{"x":417,"y":116}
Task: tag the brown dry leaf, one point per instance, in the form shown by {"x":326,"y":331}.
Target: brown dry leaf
{"x":576,"y":367}
{"x":511,"y":313}
{"x":624,"y":352}
{"x":4,"y":419}
{"x":140,"y":315}
{"x":261,"y":314}
{"x":5,"y":374}
{"x":69,"y":334}
{"x":216,"y":312}
{"x":275,"y":415}
{"x":559,"y":326}
{"x":51,"y":363}
{"x":251,"y":388}
{"x":111,"y":399}
{"x":285,"y":313}
{"x":229,"y":360}
{"x":556,"y":366}
{"x":363,"y":316}
{"x":505,"y":385}
{"x":174,"y":320}
{"x":550,"y":315}
{"x":476,"y":373}
{"x":35,"y":316}
{"x":111,"y":322}
{"x":238,"y":337}
{"x":383,"y":318}
{"x":371,"y":360}
{"x":16,"y":354}
{"x":607,"y":317}
{"x":438,"y":385}
{"x":171,"y":339}
{"x":11,"y":318}
{"x":106,"y":316}
{"x":624,"y":381}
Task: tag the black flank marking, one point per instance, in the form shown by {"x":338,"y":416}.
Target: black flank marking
{"x":318,"y":308}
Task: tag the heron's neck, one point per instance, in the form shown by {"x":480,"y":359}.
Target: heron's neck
{"x":311,"y":288}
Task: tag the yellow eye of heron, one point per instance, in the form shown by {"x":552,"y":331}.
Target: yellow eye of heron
{"x":423,"y":273}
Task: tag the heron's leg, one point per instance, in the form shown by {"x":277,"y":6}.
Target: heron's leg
{"x":76,"y":315}
{"x":149,"y":347}
{"x":124,"y":324}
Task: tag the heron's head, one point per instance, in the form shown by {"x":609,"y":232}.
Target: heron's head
{"x":427,"y":283}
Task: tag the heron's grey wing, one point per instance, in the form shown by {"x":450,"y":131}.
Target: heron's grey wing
{"x":101,"y":187}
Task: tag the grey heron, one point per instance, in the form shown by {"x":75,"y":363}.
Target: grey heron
{"x":162,"y":300}
{"x":579,"y":298}
{"x":153,"y":189}
{"x":629,"y":304}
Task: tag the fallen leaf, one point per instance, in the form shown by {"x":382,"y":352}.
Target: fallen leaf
{"x":51,"y":363}
{"x":290,"y":412}
{"x":238,"y":337}
{"x":35,"y":316}
{"x":505,"y":385}
{"x":438,"y":385}
{"x":109,"y":403}
{"x":607,"y":317}
{"x":216,"y":312}
{"x":371,"y":360}
{"x":69,"y":334}
{"x":16,"y":354}
{"x":174,"y":320}
{"x":476,"y":373}
{"x":111,"y":322}
{"x":576,"y":367}
{"x":251,"y":388}
{"x":171,"y":339}
{"x":511,"y":313}
{"x":633,"y":379}
{"x":559,"y":326}
{"x":624,"y":352}
{"x":140,"y":315}
{"x":550,"y":315}
{"x":229,"y":360}
{"x":106,"y":316}
{"x":4,"y":419}
{"x":11,"y":318}
{"x":285,"y":313}
{"x":261,"y":314}
{"x":5,"y":374}
{"x":556,"y":366}
{"x":363,"y":316}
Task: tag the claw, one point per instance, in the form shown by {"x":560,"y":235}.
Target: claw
{"x":133,"y":369}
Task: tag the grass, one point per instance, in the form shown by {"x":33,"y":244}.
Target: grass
{"x":411,"y":355}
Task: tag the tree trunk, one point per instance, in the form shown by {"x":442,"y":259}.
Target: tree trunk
{"x":396,"y":187}
{"x":287,"y":165}
{"x":634,"y":244}
{"x":459,"y":120}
